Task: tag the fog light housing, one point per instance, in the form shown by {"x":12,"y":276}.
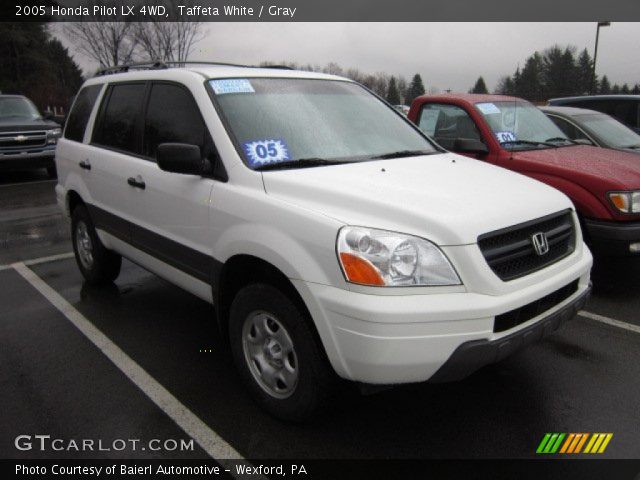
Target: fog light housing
{"x":634,"y":247}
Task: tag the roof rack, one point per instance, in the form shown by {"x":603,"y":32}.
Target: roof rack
{"x":158,"y":65}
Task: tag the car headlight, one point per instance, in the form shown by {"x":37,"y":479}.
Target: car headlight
{"x":53,"y":135}
{"x":380,"y":258}
{"x":626,"y":202}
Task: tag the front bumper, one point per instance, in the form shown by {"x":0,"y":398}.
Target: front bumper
{"x":391,"y":339}
{"x":612,"y":238}
{"x":28,"y":160}
{"x":471,"y":356}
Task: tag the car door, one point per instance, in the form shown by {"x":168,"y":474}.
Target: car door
{"x":115,"y":146}
{"x":172,"y":223}
{"x":452,"y":127}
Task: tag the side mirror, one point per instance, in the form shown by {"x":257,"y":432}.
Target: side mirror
{"x":469,"y":145}
{"x":583,"y":141}
{"x":180,"y":158}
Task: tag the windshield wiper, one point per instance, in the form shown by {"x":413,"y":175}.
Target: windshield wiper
{"x":561,"y":139}
{"x":634,"y":147}
{"x":403,"y":153}
{"x":529,"y":142}
{"x":299,"y":163}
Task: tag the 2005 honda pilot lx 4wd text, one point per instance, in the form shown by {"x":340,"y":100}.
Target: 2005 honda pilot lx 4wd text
{"x":333,"y":237}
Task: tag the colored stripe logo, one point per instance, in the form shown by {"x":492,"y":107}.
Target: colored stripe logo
{"x":574,"y":443}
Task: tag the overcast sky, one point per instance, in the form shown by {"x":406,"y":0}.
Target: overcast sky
{"x":447,"y":55}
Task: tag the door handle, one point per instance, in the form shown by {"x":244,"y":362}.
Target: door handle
{"x":85,"y":164}
{"x":136,"y":182}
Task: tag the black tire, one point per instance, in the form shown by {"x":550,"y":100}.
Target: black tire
{"x":52,"y":172}
{"x":105,"y":264}
{"x":316,"y":382}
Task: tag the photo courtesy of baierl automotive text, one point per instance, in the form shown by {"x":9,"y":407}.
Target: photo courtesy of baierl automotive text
{"x":275,"y":239}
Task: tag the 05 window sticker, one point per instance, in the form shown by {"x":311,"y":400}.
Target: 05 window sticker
{"x":231,"y":85}
{"x":265,"y":152}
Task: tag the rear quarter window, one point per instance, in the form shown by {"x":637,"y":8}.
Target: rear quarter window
{"x":80,"y":113}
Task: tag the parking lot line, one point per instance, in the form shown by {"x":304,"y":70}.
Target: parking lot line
{"x":215,"y":446}
{"x":50,"y":258}
{"x":28,"y":183}
{"x":610,"y":321}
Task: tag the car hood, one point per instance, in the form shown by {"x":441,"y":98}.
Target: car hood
{"x":17,"y":124}
{"x":446,"y":198}
{"x":614,"y":169}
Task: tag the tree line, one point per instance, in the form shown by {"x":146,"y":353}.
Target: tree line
{"x":37,"y":65}
{"x":556,"y":72}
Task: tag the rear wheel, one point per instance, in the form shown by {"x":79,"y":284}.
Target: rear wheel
{"x":276,"y":354}
{"x":96,"y":263}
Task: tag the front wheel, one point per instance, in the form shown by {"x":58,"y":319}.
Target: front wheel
{"x":96,"y":263}
{"x":276,"y":354}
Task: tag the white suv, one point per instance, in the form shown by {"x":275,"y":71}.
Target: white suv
{"x":333,"y":237}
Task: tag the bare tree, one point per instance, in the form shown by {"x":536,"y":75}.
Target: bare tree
{"x":168,"y":41}
{"x":108,"y":43}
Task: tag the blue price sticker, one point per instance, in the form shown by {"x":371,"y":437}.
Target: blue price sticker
{"x":506,"y":137}
{"x":264,"y":152}
{"x":231,"y":85}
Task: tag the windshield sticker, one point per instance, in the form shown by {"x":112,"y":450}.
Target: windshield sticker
{"x":488,"y":108}
{"x":506,"y":137}
{"x":265,"y":152}
{"x":231,"y":85}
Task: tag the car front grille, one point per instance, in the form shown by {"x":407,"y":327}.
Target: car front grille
{"x":520,"y":315}
{"x":511,"y":254}
{"x":22,"y":141}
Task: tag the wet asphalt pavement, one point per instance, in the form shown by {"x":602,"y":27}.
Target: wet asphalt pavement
{"x":584,"y":378}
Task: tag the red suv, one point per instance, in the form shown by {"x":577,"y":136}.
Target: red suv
{"x":512,"y":133}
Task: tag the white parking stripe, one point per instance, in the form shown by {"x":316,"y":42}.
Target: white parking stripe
{"x":51,"y":258}
{"x":36,"y":261}
{"x":610,"y":321}
{"x":27,"y":183}
{"x":209,"y":440}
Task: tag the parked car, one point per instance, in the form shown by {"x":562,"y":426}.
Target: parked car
{"x":593,"y":128}
{"x":27,"y":140}
{"x":625,"y":108}
{"x":332,"y":236}
{"x":512,"y":133}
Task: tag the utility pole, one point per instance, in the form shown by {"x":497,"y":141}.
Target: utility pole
{"x":595,"y":56}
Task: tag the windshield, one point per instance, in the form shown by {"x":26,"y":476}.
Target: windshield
{"x":288,"y":122}
{"x":17,"y":107}
{"x":610,"y":130}
{"x":520,"y":125}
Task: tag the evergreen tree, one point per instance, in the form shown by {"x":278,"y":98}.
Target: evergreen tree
{"x":393,"y":96}
{"x":636,"y":89}
{"x":605,"y":86}
{"x":479,"y":87}
{"x":615,"y":90}
{"x":584,"y":80}
{"x":559,"y":72}
{"x":416,"y":88}
{"x":36,"y":65}
{"x":625,"y":90}
{"x":529,"y":82}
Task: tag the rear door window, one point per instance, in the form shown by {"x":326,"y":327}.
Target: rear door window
{"x":80,"y":113}
{"x":119,"y":124}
